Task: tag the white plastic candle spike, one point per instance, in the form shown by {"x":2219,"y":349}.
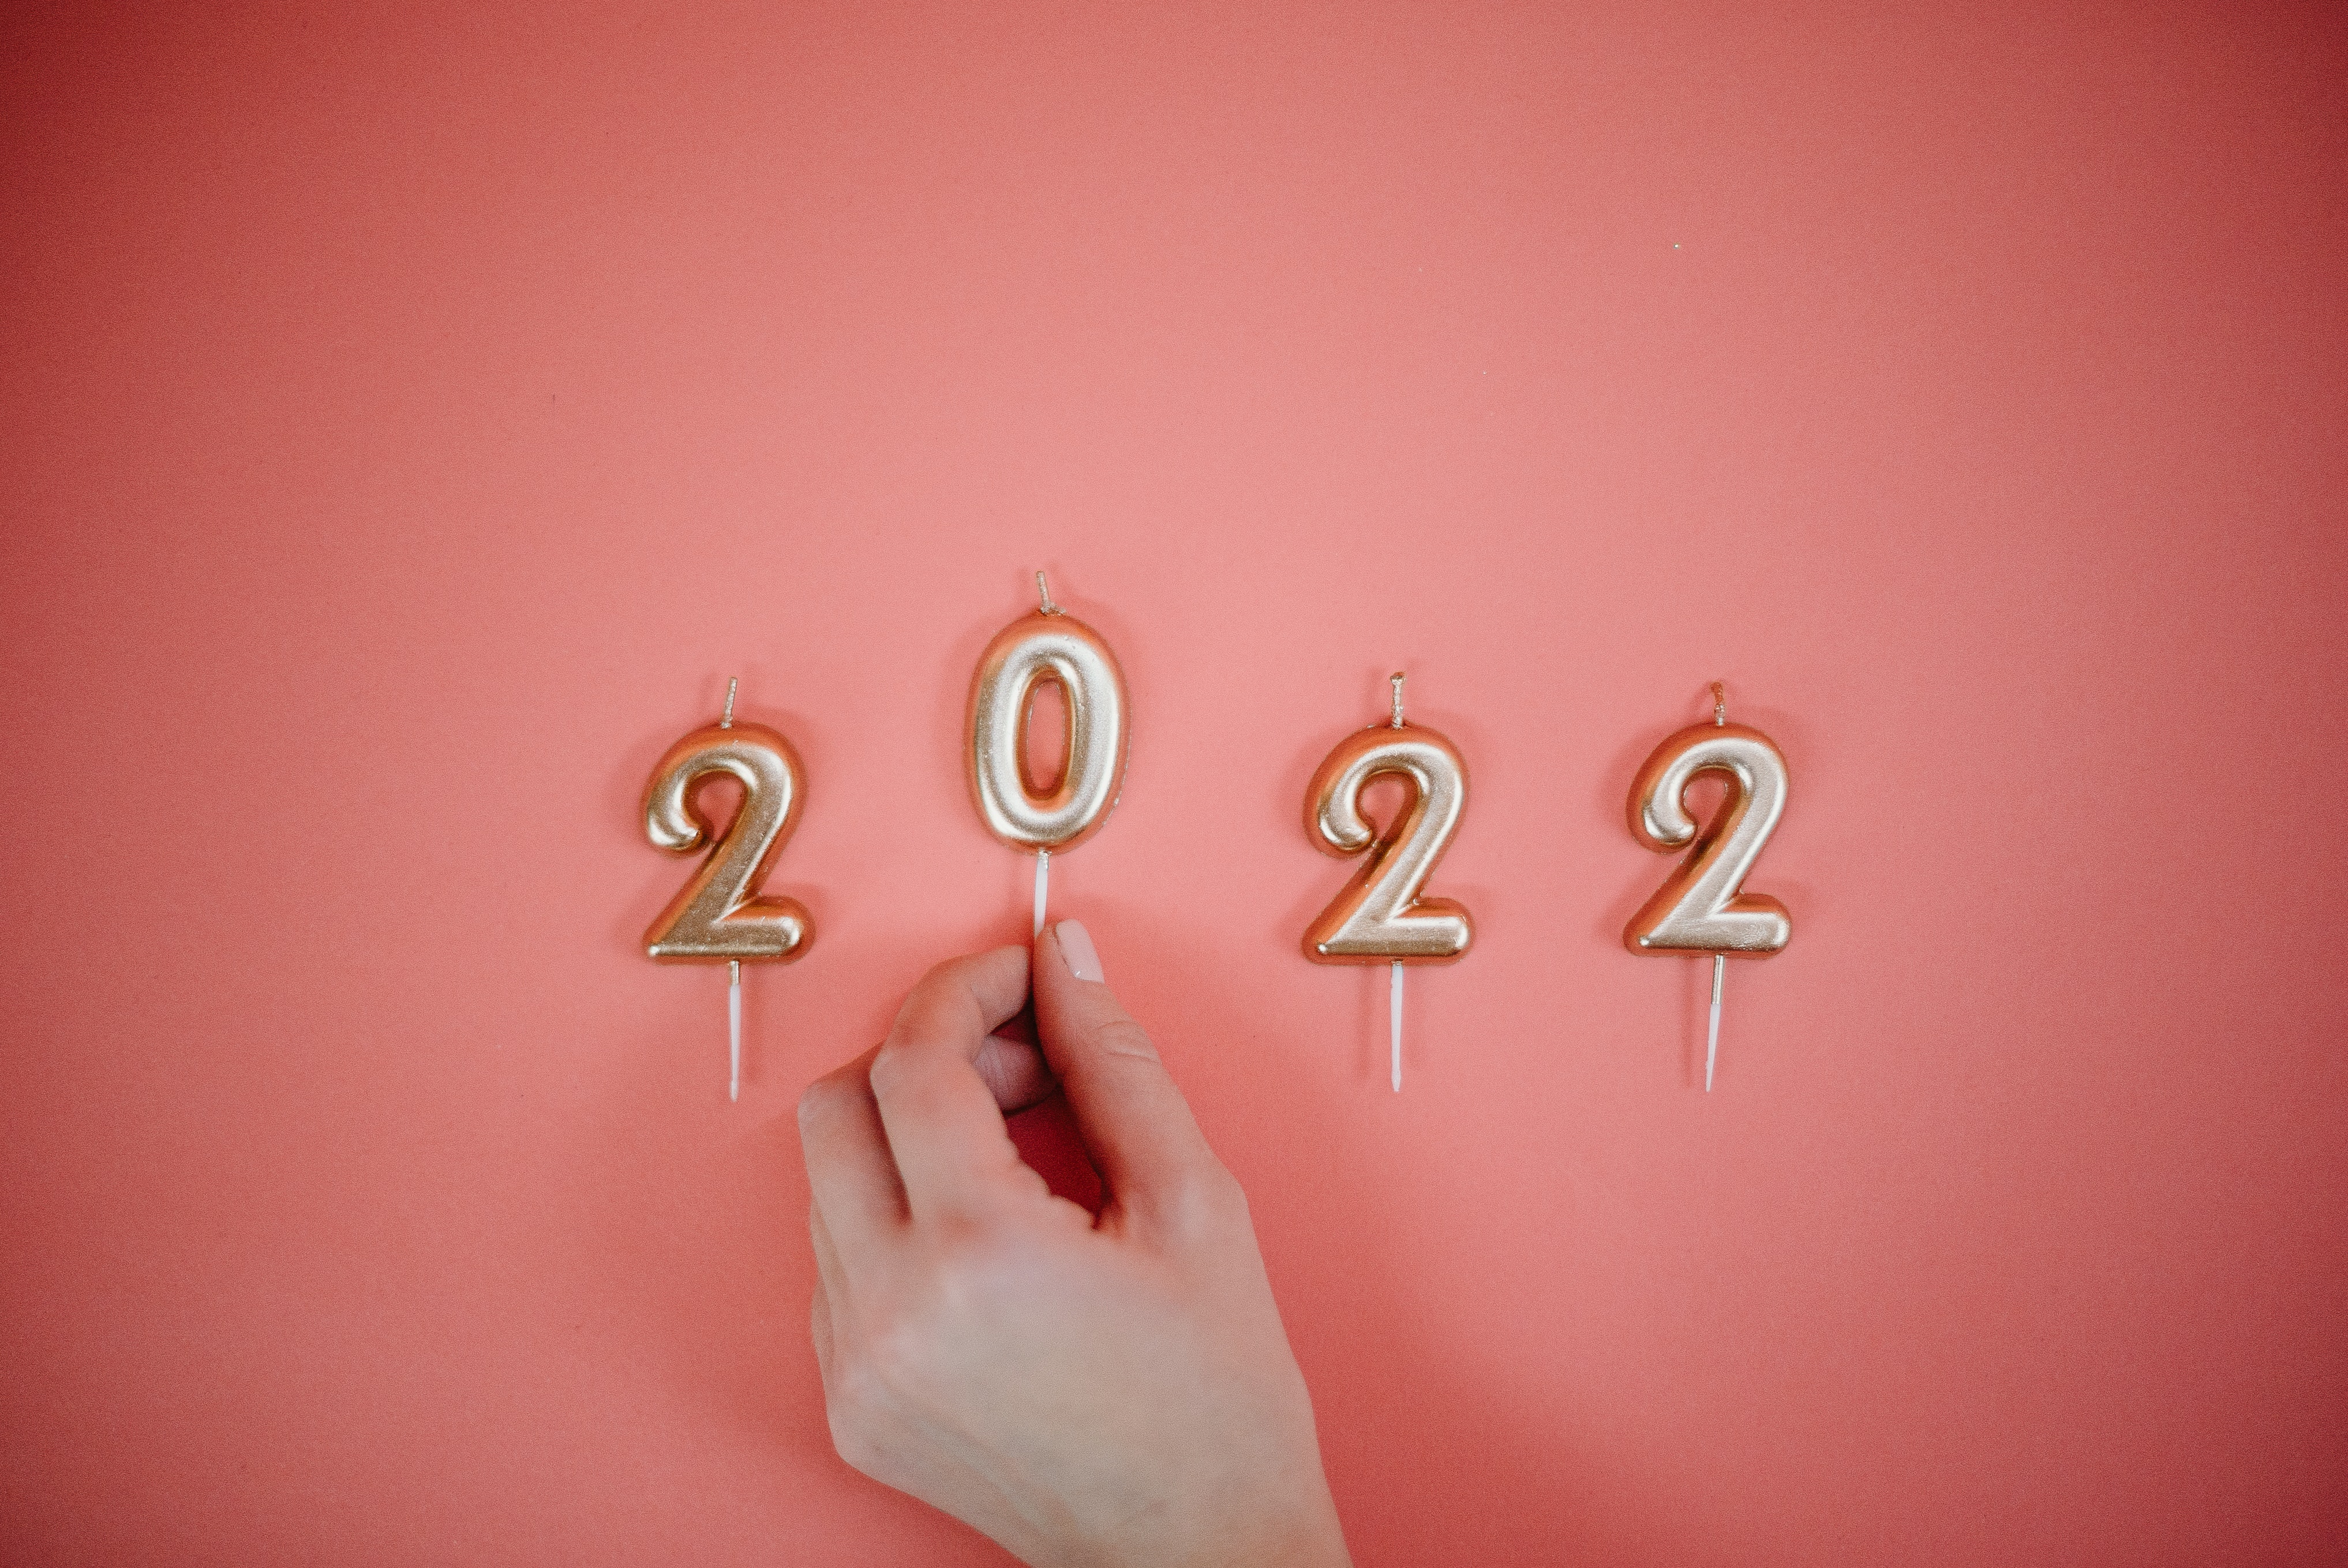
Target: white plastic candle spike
{"x":1719,"y":960}
{"x":1393,"y":1024}
{"x":733,"y":966}
{"x":1712,"y":1036}
{"x":1043,"y":885}
{"x":1703,"y":909}
{"x":1394,"y":991}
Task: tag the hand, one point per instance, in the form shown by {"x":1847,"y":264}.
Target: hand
{"x":1086,"y":1391}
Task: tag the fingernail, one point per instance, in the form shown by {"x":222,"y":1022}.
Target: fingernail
{"x":1077,"y":946}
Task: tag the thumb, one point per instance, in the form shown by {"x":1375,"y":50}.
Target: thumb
{"x":1136,"y":1125}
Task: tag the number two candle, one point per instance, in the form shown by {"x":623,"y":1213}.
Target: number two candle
{"x":1379,"y":916}
{"x":718,"y":916}
{"x":1702,"y":907}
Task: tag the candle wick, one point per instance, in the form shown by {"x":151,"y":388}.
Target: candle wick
{"x":1719,"y":704}
{"x":1044,"y":592}
{"x":1397,"y":679}
{"x":727,"y":723}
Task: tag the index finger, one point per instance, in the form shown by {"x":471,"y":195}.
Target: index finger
{"x":946,"y":1131}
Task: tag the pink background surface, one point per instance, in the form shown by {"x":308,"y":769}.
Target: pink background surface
{"x":415,"y":412}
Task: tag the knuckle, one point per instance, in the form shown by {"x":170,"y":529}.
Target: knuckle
{"x":896,"y":1363}
{"x":1204,"y":1201}
{"x":939,"y":988}
{"x":887,"y":1068}
{"x":966,"y":1252}
{"x":1123,"y":1036}
{"x":822,"y":1099}
{"x":891,"y":1361}
{"x":815,"y":1105}
{"x":870,"y":1374}
{"x":973,"y":1271}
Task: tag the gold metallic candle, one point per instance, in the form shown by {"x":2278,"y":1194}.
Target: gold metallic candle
{"x":1701,"y":907}
{"x":1048,"y":645}
{"x":1379,"y":916}
{"x":718,"y":916}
